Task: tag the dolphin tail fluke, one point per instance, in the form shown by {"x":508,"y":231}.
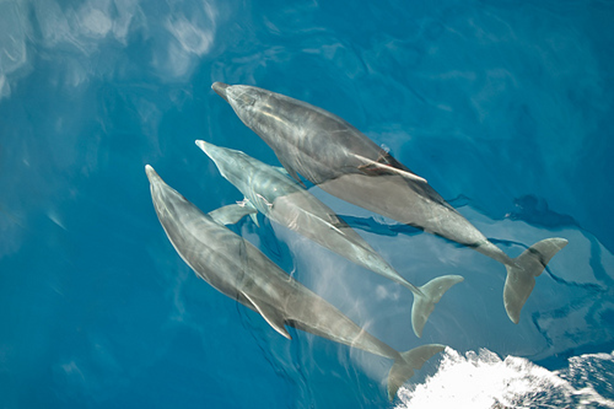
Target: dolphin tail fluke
{"x":429,"y":295}
{"x":408,"y":362}
{"x":521,"y":276}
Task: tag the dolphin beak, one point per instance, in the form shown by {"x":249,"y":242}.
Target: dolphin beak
{"x":220,"y":88}
{"x":152,"y":175}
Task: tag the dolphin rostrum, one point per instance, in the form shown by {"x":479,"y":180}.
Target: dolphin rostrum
{"x":236,"y":268}
{"x":273,"y":193}
{"x":331,"y":153}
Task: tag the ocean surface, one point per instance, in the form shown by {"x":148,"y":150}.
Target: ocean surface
{"x":505,"y":107}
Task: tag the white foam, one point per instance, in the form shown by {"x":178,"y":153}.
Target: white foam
{"x":484,"y":380}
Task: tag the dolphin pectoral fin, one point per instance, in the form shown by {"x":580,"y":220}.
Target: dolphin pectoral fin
{"x":292,"y":173}
{"x":413,"y":176}
{"x":386,"y":165}
{"x":376,"y":169}
{"x":271,"y":316}
{"x":254,"y":217}
{"x":231,"y":214}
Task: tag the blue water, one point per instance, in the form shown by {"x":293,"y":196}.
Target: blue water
{"x":504,"y":107}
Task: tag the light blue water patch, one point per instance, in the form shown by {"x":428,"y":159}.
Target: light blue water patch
{"x":504,"y":107}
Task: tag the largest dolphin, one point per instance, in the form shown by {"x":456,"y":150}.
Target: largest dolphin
{"x":239,"y":270}
{"x":341,"y":160}
{"x":274,"y":194}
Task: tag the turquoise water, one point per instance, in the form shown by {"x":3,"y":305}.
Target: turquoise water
{"x":504,"y":107}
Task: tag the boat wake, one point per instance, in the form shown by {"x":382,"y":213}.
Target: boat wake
{"x":484,"y":380}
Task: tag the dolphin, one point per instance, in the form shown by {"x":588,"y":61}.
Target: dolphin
{"x":273,"y":193}
{"x":331,"y":153}
{"x":237,"y":269}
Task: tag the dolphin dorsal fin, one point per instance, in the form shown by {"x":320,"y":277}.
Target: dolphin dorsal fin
{"x":254,"y":217}
{"x":270,"y":315}
{"x":231,"y":214}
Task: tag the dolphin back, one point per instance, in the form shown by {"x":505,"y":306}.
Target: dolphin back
{"x":235,"y":267}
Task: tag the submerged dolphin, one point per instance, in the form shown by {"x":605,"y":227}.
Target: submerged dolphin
{"x":274,"y":194}
{"x":334,"y":155}
{"x":239,"y":270}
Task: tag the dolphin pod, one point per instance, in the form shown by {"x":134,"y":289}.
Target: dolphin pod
{"x":239,"y":270}
{"x":274,"y":194}
{"x":332,"y":154}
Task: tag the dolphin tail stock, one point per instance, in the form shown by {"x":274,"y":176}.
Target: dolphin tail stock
{"x":408,"y":362}
{"x":521,"y":275}
{"x":425,"y":300}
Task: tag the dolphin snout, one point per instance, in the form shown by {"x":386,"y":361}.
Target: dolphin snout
{"x":205,"y":147}
{"x":151,"y":174}
{"x":220,"y":89}
{"x":217,"y":154}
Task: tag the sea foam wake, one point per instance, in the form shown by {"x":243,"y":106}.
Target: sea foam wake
{"x":484,"y":380}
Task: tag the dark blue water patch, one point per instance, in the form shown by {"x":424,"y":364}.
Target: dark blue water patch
{"x":560,"y":360}
{"x":608,"y":317}
{"x":370,"y":224}
{"x":535,"y":210}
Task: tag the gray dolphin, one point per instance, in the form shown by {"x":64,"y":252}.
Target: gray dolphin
{"x":337,"y":157}
{"x":236,"y":268}
{"x":273,"y":193}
